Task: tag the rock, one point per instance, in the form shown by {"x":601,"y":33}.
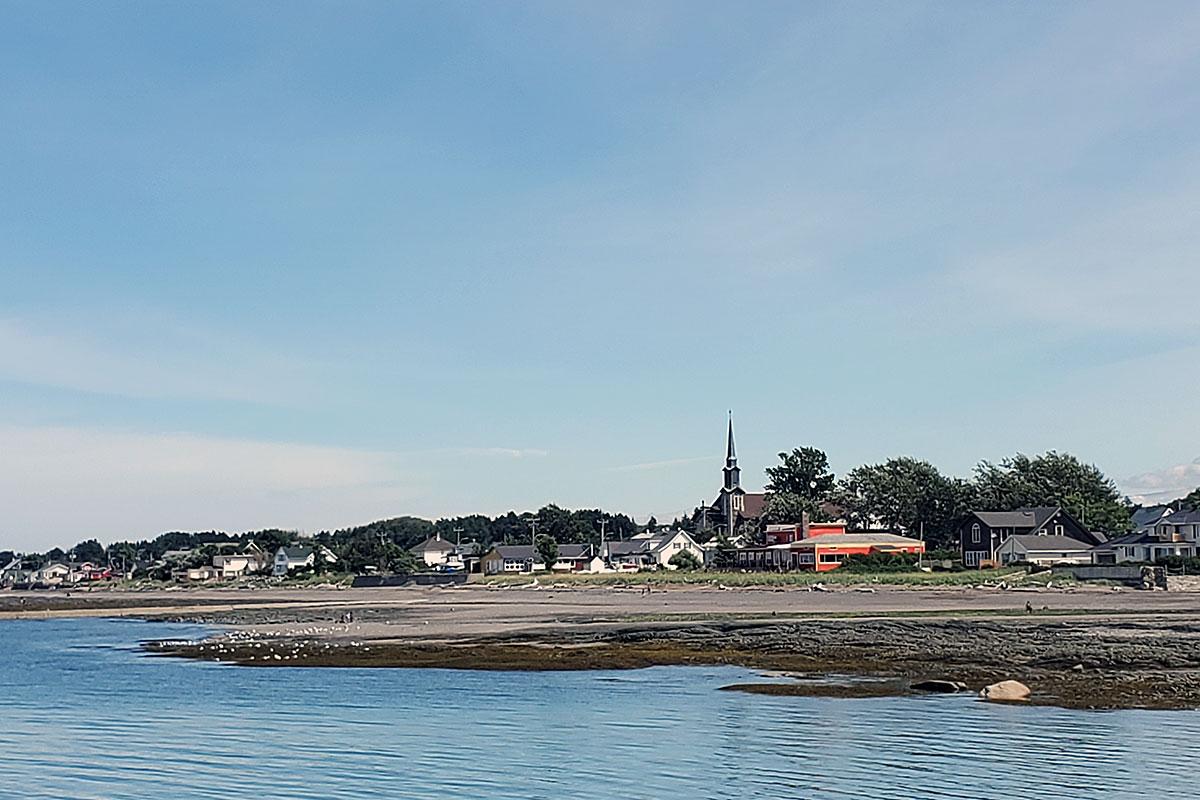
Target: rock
{"x":942,"y":687}
{"x":1005,"y":692}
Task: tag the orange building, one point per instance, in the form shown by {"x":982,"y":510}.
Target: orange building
{"x":825,"y":547}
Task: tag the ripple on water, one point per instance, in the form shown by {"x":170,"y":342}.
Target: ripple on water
{"x":86,"y":716}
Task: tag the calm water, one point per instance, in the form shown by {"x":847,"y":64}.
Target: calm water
{"x":84,"y":715}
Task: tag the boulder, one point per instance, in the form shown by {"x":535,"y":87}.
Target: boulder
{"x":1005,"y":692}
{"x":944,"y":687}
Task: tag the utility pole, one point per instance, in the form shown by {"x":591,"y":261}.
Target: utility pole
{"x":533,"y":544}
{"x":458,"y":536}
{"x":603,"y":522}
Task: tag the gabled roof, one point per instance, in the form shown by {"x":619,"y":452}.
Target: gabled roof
{"x":434,"y":542}
{"x":1186,"y":517}
{"x":1031,"y":518}
{"x":1055,"y":544}
{"x":525,"y":552}
{"x":297,"y":553}
{"x":1150,"y":515}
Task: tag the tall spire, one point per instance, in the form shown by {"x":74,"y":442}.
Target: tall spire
{"x":733,"y":475}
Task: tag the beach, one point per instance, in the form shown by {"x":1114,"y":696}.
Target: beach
{"x":1075,"y":647}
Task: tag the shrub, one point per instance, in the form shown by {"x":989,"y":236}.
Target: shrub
{"x":880,"y":562}
{"x":685,"y":560}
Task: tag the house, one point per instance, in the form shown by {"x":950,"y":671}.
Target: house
{"x":982,"y":533}
{"x":1144,"y":519}
{"x":437,"y":552}
{"x":1043,"y":549}
{"x":1180,"y":526}
{"x":290,"y":559}
{"x":230,"y":566}
{"x":205,"y":573}
{"x":523,"y":558}
{"x":1156,"y":537}
{"x":52,"y":574}
{"x":651,"y":550}
{"x":14,"y":573}
{"x":825,"y":547}
{"x":734,"y":506}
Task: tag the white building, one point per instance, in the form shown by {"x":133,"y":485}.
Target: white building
{"x":290,"y":559}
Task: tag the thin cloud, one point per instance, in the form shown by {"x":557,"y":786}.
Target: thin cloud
{"x":647,"y":466}
{"x":1163,"y":485}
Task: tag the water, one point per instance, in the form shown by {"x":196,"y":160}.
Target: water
{"x":84,"y":715}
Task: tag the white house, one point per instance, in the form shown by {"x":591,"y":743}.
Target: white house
{"x":53,"y":574}
{"x":290,"y":559}
{"x":437,"y":552}
{"x":1044,"y":550}
{"x":238,"y":565}
{"x":651,"y":550}
{"x":1164,"y":536}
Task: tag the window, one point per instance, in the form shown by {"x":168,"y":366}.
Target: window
{"x":971,"y":558}
{"x":975,"y":533}
{"x":1058,"y":530}
{"x":831,"y":558}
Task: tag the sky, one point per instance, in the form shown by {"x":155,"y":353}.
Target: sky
{"x":307,"y":265}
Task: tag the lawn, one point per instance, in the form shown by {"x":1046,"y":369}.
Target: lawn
{"x":784,"y":579}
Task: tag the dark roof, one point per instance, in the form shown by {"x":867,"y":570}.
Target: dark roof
{"x":1149,"y":515}
{"x":524,"y":552}
{"x":1187,"y":517}
{"x":297,"y":553}
{"x":1050,"y":543}
{"x":1031,"y":518}
{"x":434,"y":543}
{"x":626,"y":548}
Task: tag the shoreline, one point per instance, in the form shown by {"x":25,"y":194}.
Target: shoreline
{"x":1080,"y":648}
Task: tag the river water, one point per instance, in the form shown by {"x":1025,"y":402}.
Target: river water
{"x":83,"y":714}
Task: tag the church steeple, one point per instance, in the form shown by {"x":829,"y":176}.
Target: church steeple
{"x":733,"y":475}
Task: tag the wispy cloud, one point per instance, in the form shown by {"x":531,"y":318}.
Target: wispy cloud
{"x":648,"y":466}
{"x":1163,"y":485}
{"x":62,"y":484}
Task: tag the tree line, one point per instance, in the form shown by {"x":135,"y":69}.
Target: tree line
{"x":913,"y":497}
{"x":903,"y":494}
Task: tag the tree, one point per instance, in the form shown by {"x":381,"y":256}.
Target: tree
{"x":652,"y":525}
{"x":547,"y":549}
{"x":89,"y":550}
{"x":726,"y":555}
{"x":804,"y":472}
{"x":904,"y":494}
{"x":685,"y":560}
{"x":797,"y":486}
{"x":1192,"y":501}
{"x":1052,"y":479}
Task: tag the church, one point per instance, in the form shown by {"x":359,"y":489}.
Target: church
{"x":734,"y":505}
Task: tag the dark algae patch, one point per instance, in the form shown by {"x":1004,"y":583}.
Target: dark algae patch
{"x":1077,"y":663}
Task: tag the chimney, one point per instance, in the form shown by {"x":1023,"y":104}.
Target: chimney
{"x":804,"y":523}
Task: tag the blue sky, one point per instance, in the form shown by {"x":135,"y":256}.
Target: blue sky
{"x":314,"y":264}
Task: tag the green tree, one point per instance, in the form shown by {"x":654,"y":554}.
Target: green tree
{"x":1192,"y":501}
{"x":547,"y":549}
{"x":89,"y":550}
{"x":803,"y":472}
{"x":798,"y":485}
{"x":1052,"y":479}
{"x":685,"y":560}
{"x":726,"y":554}
{"x":904,"y":494}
